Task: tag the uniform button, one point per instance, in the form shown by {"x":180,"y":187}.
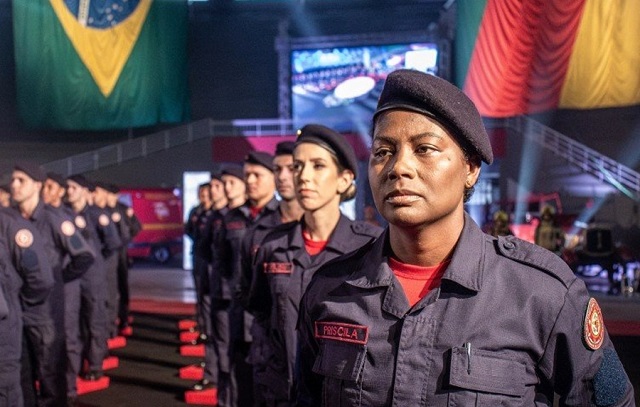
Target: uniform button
{"x":509,"y":245}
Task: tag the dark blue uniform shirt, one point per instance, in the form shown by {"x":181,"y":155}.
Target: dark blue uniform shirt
{"x":506,"y":327}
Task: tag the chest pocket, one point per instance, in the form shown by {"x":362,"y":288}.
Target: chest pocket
{"x":342,"y":365}
{"x":485,"y":378}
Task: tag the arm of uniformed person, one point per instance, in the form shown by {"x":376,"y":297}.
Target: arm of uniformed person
{"x":4,"y":308}
{"x":30,"y":260}
{"x":81,"y":256}
{"x":134,"y":223}
{"x":579,"y":360}
{"x":307,"y":384}
{"x":109,"y":235}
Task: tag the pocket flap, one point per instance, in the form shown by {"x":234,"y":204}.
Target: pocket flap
{"x":340,"y":360}
{"x":487,"y":371}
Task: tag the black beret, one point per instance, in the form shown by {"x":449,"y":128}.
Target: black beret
{"x":332,"y":141}
{"x":80,"y":180}
{"x":33,"y":170}
{"x":112,"y":188}
{"x":285,"y":148}
{"x":233,"y":170}
{"x":102,"y":185}
{"x":260,"y":158}
{"x":57,"y":178}
{"x":216,"y":175}
{"x":435,"y":97}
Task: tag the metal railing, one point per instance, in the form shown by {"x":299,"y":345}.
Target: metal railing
{"x":118,"y":153}
{"x":586,"y":159}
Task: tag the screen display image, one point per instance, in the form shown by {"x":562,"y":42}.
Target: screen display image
{"x":340,"y":86}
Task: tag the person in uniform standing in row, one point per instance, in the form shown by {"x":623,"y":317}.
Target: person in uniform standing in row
{"x":260,"y":207}
{"x":70,"y":256}
{"x":325,"y":167}
{"x":25,"y":278}
{"x":221,"y":288}
{"x":435,"y":312}
{"x":111,"y":253}
{"x":289,"y":210}
{"x":200,"y":252}
{"x":215,"y":321}
{"x":128,"y":227}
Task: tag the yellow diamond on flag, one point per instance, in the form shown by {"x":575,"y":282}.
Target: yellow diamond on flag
{"x":104,"y":51}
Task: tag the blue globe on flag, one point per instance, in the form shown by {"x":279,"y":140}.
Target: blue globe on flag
{"x":101,"y":13}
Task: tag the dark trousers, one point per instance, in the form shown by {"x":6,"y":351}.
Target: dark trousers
{"x":112,"y":299}
{"x":10,"y":390}
{"x":85,"y":324}
{"x":43,"y":353}
{"x":123,"y":288}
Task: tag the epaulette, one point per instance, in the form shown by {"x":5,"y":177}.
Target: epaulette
{"x":366,"y":229}
{"x":535,"y":256}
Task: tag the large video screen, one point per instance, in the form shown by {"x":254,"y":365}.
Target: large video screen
{"x":340,"y":86}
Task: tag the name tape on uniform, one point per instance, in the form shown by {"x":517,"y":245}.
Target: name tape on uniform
{"x":339,"y":331}
{"x":278,"y":268}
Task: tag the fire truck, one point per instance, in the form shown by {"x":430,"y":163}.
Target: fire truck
{"x":159,"y":210}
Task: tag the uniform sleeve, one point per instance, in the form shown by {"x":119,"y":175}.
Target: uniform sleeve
{"x":258,"y":296}
{"x":4,"y":307}
{"x":580,"y":361}
{"x":81,"y":256}
{"x":31,"y":262}
{"x":189,"y":226}
{"x":134,"y":223}
{"x":111,"y":238}
{"x":246,"y":262}
{"x":307,"y":384}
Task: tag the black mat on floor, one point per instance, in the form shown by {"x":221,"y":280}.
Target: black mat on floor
{"x":148,"y":367}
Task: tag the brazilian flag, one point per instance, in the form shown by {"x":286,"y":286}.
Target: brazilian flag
{"x":101,"y":64}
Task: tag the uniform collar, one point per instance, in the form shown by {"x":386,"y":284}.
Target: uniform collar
{"x":343,"y":228}
{"x":465,"y":269}
{"x":270,"y":206}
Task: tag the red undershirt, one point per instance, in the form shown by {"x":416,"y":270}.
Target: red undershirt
{"x":313,"y":247}
{"x":417,"y":281}
{"x":254,"y":211}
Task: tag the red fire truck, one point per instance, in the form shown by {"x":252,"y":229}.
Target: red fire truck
{"x":160,"y":213}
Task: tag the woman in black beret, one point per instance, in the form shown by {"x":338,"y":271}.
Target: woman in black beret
{"x":435,"y":312}
{"x":325,"y":167}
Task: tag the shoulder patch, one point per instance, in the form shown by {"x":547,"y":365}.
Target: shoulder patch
{"x":80,"y":222}
{"x":130,"y":212}
{"x":115,"y":217}
{"x":24,"y":238}
{"x":593,"y":326}
{"x":103,"y":220}
{"x":67,"y":228}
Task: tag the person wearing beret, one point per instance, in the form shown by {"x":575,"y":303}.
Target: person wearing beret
{"x":70,"y":257}
{"x":325,"y":167}
{"x":261,"y":207}
{"x":86,"y":299}
{"x":436,"y":312}
{"x":128,"y":226}
{"x":54,"y":189}
{"x":25,"y":278}
{"x":110,"y":251}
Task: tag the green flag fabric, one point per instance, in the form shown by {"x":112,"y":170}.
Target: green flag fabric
{"x":102,"y":65}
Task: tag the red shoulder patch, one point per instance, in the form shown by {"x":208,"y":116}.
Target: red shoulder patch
{"x":593,"y":326}
{"x":339,"y":331}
